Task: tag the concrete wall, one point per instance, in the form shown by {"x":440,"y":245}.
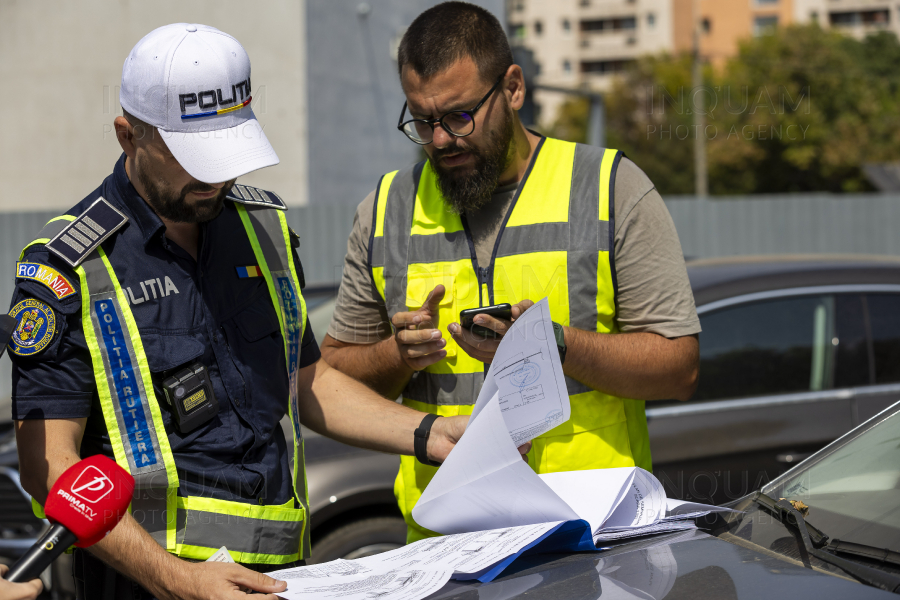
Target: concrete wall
{"x":61,"y":67}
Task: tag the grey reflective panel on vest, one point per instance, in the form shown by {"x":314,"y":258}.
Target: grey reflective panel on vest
{"x":398,"y":216}
{"x":376,"y":251}
{"x":267,"y":222}
{"x":148,"y":507}
{"x":576,"y":387}
{"x":587,"y":236}
{"x":445,"y":247}
{"x":238,"y":534}
{"x":451,"y":389}
{"x":537,"y":237}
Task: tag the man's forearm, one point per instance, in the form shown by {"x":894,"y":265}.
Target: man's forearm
{"x":342,"y":408}
{"x":642,"y":366}
{"x":379,"y":365}
{"x":130,"y":550}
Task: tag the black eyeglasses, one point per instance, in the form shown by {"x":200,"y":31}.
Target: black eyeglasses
{"x":458,"y":123}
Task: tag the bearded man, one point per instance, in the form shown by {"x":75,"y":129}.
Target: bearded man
{"x":501,"y":214}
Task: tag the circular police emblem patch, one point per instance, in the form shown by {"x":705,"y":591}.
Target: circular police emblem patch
{"x":37,"y":326}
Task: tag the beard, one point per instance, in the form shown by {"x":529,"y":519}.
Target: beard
{"x":173,"y":205}
{"x":468,"y":190}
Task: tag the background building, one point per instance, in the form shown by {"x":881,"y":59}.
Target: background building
{"x":585,"y":43}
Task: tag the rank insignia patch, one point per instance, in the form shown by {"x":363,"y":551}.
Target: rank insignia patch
{"x":37,"y":326}
{"x":49,"y":276}
{"x":255,"y":196}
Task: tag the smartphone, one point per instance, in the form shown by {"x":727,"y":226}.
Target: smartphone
{"x":498,"y":311}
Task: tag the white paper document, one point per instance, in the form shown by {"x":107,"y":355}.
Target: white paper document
{"x":485,"y":484}
{"x":468,"y":554}
{"x":396,"y":585}
{"x":222,"y":555}
{"x":527,"y":377}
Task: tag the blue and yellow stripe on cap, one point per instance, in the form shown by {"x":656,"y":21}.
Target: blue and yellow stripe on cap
{"x":251,"y":271}
{"x":221,"y":111}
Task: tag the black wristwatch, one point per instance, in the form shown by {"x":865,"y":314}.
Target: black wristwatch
{"x":420,"y":443}
{"x":560,"y":341}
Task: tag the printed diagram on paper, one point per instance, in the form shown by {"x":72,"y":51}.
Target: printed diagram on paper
{"x":520,"y":387}
{"x":527,"y":378}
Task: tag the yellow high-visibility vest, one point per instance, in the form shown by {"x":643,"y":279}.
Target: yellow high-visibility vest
{"x":190,"y":526}
{"x":556,"y":242}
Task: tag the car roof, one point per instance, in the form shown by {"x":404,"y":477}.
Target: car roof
{"x":720,"y":278}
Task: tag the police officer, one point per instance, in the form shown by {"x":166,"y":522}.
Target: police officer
{"x":500,"y":214}
{"x":161,"y":322}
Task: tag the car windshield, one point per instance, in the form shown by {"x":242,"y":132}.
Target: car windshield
{"x":853,"y":487}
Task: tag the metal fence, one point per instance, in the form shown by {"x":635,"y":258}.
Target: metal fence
{"x":722,"y":226}
{"x":787,"y":224}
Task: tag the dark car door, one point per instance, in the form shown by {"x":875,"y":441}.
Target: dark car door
{"x":781,"y":374}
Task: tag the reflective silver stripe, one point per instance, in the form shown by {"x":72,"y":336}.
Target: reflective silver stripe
{"x":148,"y":507}
{"x":586,"y":231}
{"x":269,"y":233}
{"x":267,"y":226}
{"x":377,"y":251}
{"x":238,"y":534}
{"x":447,"y":389}
{"x":52,"y":229}
{"x":537,"y":237}
{"x":101,"y":287}
{"x":438,"y":247}
{"x":576,"y":387}
{"x":444,"y":389}
{"x":398,"y":215}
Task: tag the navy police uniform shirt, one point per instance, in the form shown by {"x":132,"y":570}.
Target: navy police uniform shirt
{"x":186,"y":311}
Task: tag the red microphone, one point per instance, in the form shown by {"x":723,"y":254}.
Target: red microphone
{"x":85,"y":503}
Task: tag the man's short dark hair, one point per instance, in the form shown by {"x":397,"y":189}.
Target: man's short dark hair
{"x":445,"y":33}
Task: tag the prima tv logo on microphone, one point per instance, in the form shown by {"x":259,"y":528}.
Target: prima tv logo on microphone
{"x":92,"y":485}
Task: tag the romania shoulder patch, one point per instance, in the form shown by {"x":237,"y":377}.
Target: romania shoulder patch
{"x":49,"y":276}
{"x":37,"y":326}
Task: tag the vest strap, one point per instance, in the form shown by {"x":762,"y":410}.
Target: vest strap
{"x":398,"y":218}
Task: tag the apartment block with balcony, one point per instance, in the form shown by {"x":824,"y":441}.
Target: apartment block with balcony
{"x":585,"y":43}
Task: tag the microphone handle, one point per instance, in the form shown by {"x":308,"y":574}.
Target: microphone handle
{"x":50,"y":545}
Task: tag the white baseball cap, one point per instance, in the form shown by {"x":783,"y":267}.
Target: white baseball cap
{"x":192,"y":82}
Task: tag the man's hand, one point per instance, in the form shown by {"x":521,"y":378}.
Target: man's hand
{"x":480,"y":347}
{"x":419,"y":340}
{"x":445,"y":433}
{"x":221,"y":581}
{"x":18,"y":591}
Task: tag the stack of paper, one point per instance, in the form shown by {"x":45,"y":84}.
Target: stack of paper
{"x":489,"y":503}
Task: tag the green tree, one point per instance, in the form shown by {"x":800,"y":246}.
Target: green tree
{"x":800,"y":110}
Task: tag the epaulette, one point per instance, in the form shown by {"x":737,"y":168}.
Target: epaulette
{"x":80,"y":237}
{"x":251,"y":195}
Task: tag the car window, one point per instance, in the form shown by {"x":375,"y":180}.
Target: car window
{"x":884,"y":322}
{"x":851,"y":363}
{"x":769,"y":347}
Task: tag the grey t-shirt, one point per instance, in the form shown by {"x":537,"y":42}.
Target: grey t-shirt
{"x":654,"y":294}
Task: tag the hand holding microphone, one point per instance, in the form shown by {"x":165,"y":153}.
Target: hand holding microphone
{"x":85,"y":503}
{"x":18,"y":591}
